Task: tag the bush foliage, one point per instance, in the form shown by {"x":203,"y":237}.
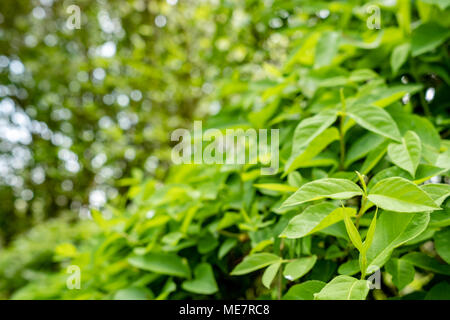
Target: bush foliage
{"x":361,"y":192}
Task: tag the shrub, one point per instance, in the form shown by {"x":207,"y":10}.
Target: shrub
{"x":360,"y":193}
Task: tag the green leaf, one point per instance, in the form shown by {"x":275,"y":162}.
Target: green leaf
{"x":323,"y":188}
{"x":407,"y":154}
{"x":270,"y":273}
{"x":442,"y":244}
{"x":441,"y":291}
{"x":425,"y":172}
{"x":425,"y":262}
{"x":167,"y":289}
{"x":254,"y":262}
{"x":437,"y":191}
{"x":305,"y":154}
{"x":162,"y":263}
{"x":229,"y":219}
{"x":404,"y":15}
{"x":259,"y":118}
{"x":440,"y":219}
{"x":203,"y":282}
{"x":207,"y":243}
{"x":353,"y":233}
{"x":385,"y":96}
{"x":442,"y":4}
{"x":374,"y":157}
{"x":401,"y":195}
{"x":375,"y":119}
{"x":284,"y":188}
{"x":334,"y":252}
{"x":310,"y":128}
{"x":344,"y":288}
{"x":349,"y":268}
{"x":428,"y":37}
{"x":360,"y":75}
{"x":399,"y":56}
{"x":304,"y":291}
{"x":133,"y":293}
{"x":426,"y":235}
{"x":402,"y":272}
{"x":295,"y":179}
{"x":362,"y":146}
{"x":393,"y":230}
{"x":370,"y":233}
{"x":299,"y":267}
{"x":424,"y":129}
{"x":226,"y":246}
{"x":315,"y":218}
{"x":326,"y":49}
{"x":324,"y":270}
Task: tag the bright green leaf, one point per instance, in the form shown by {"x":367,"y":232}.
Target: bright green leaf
{"x":310,"y":128}
{"x":306,"y":153}
{"x":437,"y":191}
{"x":299,"y":267}
{"x":284,"y":188}
{"x":203,"y":282}
{"x":254,"y":262}
{"x":393,"y":230}
{"x":323,"y":188}
{"x":427,"y":37}
{"x":344,"y":288}
{"x":226,"y":246}
{"x":326,"y":49}
{"x":315,"y":218}
{"x":270,"y":273}
{"x":399,"y":56}
{"x":353,"y":233}
{"x":375,"y":119}
{"x":370,"y":233}
{"x":133,"y":293}
{"x":407,"y":154}
{"x":401,"y":195}
{"x":304,"y":291}
{"x":162,"y":263}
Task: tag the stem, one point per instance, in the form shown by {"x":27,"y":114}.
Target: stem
{"x":341,"y":132}
{"x":280,"y":280}
{"x":280,"y":275}
{"x":341,"y":166}
{"x":363,"y":266}
{"x":361,"y":211}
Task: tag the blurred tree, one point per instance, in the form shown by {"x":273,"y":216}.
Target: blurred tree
{"x":81,"y":108}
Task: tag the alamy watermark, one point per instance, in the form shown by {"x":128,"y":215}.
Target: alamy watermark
{"x":374,"y":20}
{"x":74,"y":20}
{"x":374,"y":281}
{"x":74,"y":279}
{"x":232,"y":146}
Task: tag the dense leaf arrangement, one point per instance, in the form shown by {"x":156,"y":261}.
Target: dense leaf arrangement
{"x":361,"y":190}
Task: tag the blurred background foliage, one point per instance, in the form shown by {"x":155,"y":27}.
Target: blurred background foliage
{"x":87,"y":113}
{"x":81,"y":108}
